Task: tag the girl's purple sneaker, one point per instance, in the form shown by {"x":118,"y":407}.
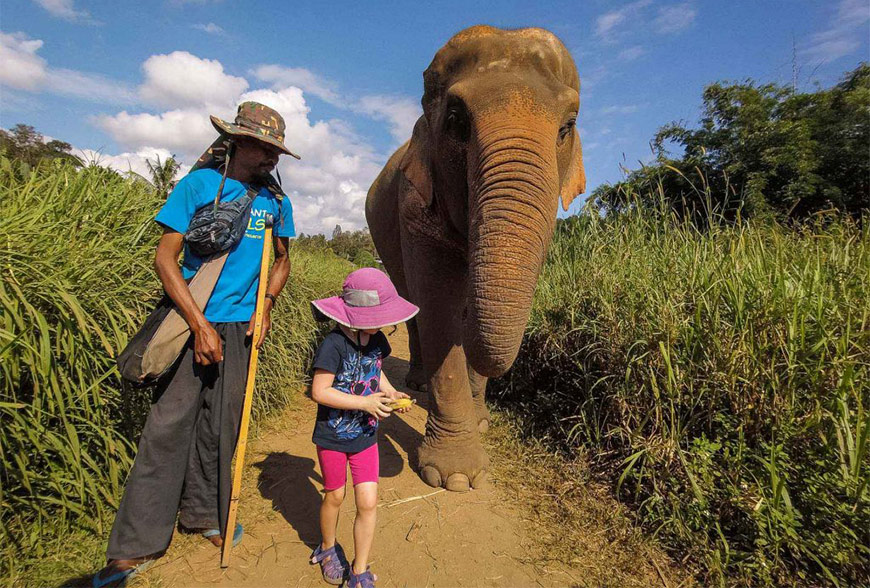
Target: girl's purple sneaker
{"x":364,"y":580}
{"x":333,"y":564}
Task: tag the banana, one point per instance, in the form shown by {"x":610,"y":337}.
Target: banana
{"x":400,"y":403}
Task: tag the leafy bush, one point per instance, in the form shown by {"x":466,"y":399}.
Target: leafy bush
{"x":77,"y":280}
{"x":721,"y":379}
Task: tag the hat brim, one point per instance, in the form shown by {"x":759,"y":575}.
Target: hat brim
{"x":388,"y":314}
{"x":223,"y":126}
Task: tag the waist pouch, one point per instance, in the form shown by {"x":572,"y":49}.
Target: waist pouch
{"x":217,"y":228}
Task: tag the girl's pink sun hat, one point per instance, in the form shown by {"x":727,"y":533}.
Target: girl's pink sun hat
{"x":368,"y":301}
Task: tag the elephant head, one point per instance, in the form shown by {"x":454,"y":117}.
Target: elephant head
{"x":496,"y":148}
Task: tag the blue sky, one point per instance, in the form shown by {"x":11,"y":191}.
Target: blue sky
{"x":123,"y":81}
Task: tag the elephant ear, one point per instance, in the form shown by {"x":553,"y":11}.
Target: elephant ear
{"x":416,"y":162}
{"x":575,"y":183}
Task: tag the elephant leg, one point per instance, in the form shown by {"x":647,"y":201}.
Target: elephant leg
{"x":416,"y":377}
{"x":451,"y":454}
{"x":478,"y":398}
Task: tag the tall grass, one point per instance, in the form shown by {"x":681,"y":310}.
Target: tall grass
{"x":77,"y":280}
{"x":721,"y":378}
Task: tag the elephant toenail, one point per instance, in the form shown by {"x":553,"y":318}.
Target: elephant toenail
{"x":481,"y":480}
{"x":458,"y":483}
{"x":431,"y":476}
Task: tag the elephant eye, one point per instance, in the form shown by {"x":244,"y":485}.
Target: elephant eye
{"x":456,"y":123}
{"x":567,"y":128}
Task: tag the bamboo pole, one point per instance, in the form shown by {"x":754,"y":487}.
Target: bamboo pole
{"x":249,"y":393}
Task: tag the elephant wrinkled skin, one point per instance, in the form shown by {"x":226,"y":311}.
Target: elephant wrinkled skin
{"x":462,"y":216}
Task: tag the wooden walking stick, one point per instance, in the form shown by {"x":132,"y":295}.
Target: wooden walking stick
{"x":249,"y":394}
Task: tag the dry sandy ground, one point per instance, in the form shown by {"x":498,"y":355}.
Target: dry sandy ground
{"x":425,"y":537}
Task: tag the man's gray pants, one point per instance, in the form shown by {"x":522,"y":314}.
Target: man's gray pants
{"x":185,"y":452}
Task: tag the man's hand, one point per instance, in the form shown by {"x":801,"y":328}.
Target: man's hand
{"x":267,"y":324}
{"x":207,"y":345}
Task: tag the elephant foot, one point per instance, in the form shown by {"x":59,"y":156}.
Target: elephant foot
{"x":457,"y":464}
{"x":416,"y":379}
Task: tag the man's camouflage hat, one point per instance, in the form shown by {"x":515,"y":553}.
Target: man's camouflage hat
{"x":258,"y":121}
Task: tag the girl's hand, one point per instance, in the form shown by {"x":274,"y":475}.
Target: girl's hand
{"x":374,"y":405}
{"x":394,"y":394}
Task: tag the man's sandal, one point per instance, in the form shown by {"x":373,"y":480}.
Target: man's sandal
{"x":214,"y":535}
{"x":364,"y":580}
{"x":333,"y":564}
{"x":116,"y":574}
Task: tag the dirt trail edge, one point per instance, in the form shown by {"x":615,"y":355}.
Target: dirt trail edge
{"x":425,"y":537}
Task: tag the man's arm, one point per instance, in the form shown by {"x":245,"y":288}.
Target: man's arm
{"x":207,"y":343}
{"x":277,"y":278}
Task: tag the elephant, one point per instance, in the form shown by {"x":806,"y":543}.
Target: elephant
{"x":462,"y":216}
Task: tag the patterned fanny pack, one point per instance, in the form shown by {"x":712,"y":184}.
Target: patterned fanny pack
{"x":217,"y":228}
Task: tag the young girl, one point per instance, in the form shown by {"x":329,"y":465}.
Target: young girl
{"x":353,"y":394}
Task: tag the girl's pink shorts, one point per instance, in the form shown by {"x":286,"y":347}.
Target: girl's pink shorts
{"x":364,"y":467}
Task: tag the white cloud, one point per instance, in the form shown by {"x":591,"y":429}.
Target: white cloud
{"x":675,"y":18}
{"x":607,"y":22}
{"x":669,"y":19}
{"x":130,"y":162}
{"x":179,"y":80}
{"x":631,"y":53}
{"x":280,"y":76}
{"x":399,"y":111}
{"x":209,"y":28}
{"x":187,"y":132}
{"x":844,"y":34}
{"x":624,"y":109}
{"x":23,"y":69}
{"x":88,"y":86}
{"x":65,"y":9}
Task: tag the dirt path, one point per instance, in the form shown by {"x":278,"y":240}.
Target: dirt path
{"x":425,"y":537}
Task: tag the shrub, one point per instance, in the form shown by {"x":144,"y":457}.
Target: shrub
{"x":721,"y":379}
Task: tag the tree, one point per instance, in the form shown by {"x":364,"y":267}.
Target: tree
{"x":762,"y":149}
{"x":355,"y":246}
{"x":163,"y":174}
{"x":350,"y":244}
{"x":24,"y":143}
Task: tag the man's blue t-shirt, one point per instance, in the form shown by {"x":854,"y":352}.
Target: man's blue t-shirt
{"x":234,"y":295}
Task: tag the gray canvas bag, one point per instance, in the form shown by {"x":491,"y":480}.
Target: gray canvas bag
{"x":152,"y":351}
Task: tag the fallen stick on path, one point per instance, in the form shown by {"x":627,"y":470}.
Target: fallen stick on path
{"x":412,"y":498}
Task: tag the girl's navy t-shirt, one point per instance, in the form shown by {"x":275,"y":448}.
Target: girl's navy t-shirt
{"x":357,"y":371}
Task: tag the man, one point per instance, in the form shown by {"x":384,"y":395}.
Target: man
{"x":186,"y":448}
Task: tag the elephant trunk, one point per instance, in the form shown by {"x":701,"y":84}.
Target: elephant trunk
{"x":513,"y":200}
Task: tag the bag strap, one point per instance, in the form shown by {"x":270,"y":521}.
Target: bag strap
{"x":226,"y":163}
